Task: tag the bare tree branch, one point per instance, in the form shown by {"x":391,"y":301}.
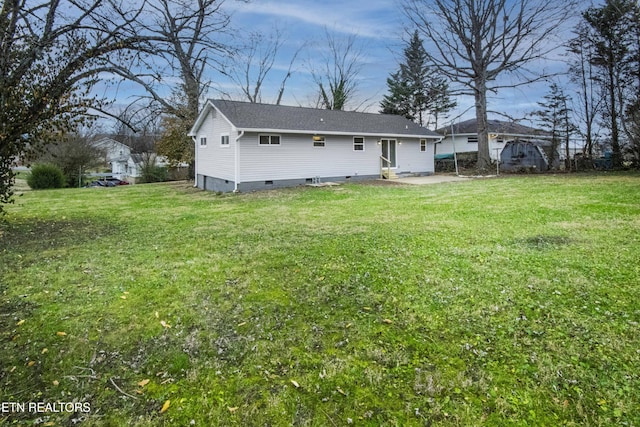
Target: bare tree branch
{"x":475,"y":42}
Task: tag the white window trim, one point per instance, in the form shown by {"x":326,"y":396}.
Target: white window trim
{"x":270,"y":144}
{"x":364,"y":140}
{"x":228,"y":144}
{"x":322,"y":143}
{"x":201,"y":145}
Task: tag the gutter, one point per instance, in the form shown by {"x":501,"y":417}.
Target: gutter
{"x":236,"y":172}
{"x":195,"y":160}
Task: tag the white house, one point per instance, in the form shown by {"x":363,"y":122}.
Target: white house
{"x":118,"y":155}
{"x":125,"y":164}
{"x":463,"y":137}
{"x":244,"y":146}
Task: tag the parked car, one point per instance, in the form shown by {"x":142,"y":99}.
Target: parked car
{"x":107,"y":182}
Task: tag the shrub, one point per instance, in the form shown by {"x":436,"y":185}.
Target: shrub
{"x":45,"y":176}
{"x":153,"y":173}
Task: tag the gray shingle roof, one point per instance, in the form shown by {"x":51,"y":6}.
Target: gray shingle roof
{"x":252,"y":116}
{"x":495,"y":126}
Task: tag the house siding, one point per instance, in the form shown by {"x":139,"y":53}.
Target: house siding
{"x":462,"y":145}
{"x":296,"y":157}
{"x":215,"y":160}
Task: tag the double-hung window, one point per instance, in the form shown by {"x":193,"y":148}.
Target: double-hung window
{"x":423,"y":145}
{"x":358,"y":143}
{"x":203,"y":141}
{"x":224,"y":140}
{"x":318,"y":141}
{"x":269,"y":140}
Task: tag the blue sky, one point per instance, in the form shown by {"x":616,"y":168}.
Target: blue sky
{"x":380,"y":28}
{"x":377,"y":25}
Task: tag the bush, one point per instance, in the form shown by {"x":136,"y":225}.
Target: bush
{"x":153,"y":173}
{"x":45,"y":176}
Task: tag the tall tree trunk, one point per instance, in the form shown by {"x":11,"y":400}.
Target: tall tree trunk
{"x":484,"y":157}
{"x":616,"y":156}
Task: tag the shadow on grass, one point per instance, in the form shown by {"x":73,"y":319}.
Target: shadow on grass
{"x":542,"y":242}
{"x":37,"y":235}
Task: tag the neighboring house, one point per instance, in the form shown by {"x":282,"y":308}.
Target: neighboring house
{"x":244,"y":146}
{"x":463,"y":137}
{"x":125,"y":164}
{"x":118,"y":156}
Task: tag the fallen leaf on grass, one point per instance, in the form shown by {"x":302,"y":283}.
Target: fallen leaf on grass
{"x":165,"y":406}
{"x":123,"y":296}
{"x":165,"y":324}
{"x":387,"y":321}
{"x":44,"y":350}
{"x":295,"y":383}
{"x":232,"y":409}
{"x":20,"y":322}
{"x":61,"y":334}
{"x":339,"y":390}
{"x":242,"y":324}
{"x":143,"y":383}
{"x":56,"y":383}
{"x":31,"y":363}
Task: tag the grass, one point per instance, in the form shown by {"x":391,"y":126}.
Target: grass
{"x":491,"y":302}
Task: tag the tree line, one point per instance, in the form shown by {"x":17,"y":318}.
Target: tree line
{"x":54,"y":54}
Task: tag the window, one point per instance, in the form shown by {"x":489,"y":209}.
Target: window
{"x":318,"y":141}
{"x":224,"y":140}
{"x":472,"y":139}
{"x":423,"y":145}
{"x":358,"y":143}
{"x":203,"y":142}
{"x":269,"y":140}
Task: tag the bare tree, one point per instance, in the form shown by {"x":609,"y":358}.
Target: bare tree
{"x":252,"y":64}
{"x":51,"y":55}
{"x":583,"y":75}
{"x":189,"y":40}
{"x":183,"y":33}
{"x":475,"y":42}
{"x":340,"y":65}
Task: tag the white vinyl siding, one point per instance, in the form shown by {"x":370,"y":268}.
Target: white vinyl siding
{"x":297,"y":158}
{"x":217,"y":160}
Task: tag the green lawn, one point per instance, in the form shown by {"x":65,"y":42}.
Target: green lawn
{"x":509,"y":301}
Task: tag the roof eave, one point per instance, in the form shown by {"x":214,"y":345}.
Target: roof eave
{"x":347,"y":133}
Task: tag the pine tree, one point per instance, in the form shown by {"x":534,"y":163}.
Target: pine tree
{"x":415,"y":91}
{"x":555,"y":119}
{"x":614,"y":26}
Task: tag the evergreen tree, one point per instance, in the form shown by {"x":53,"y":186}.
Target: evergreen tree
{"x":415,"y":91}
{"x":614,"y":27}
{"x":555,"y":119}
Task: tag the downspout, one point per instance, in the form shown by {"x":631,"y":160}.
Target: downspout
{"x":195,"y":160}
{"x":237,"y":162}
